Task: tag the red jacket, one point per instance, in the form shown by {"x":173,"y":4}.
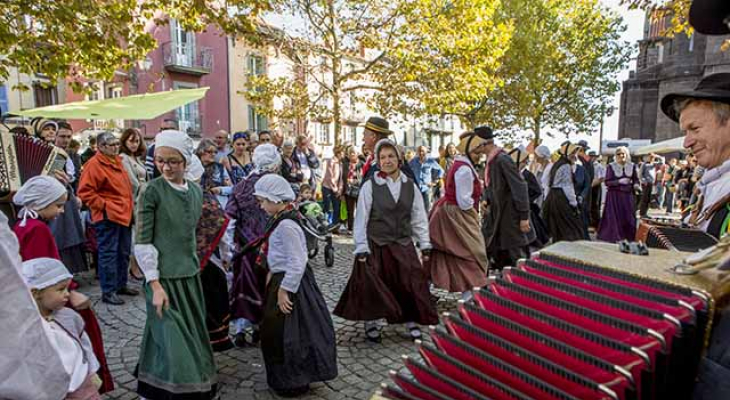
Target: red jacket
{"x":105,"y":188}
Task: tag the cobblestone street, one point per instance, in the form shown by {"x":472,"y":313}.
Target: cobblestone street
{"x":362,"y":365}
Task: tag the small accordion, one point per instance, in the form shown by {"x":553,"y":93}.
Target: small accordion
{"x":23,"y":157}
{"x":665,"y":235}
{"x":560,"y":328}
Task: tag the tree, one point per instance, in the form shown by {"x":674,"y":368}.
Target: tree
{"x":676,"y":10}
{"x":561,"y":68}
{"x":398,"y":55}
{"x":90,"y":39}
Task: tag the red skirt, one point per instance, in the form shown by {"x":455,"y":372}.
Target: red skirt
{"x":392,"y":284}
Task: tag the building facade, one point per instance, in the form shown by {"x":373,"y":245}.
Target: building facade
{"x":665,"y":65}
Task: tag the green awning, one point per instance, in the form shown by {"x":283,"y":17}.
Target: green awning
{"x":136,"y":107}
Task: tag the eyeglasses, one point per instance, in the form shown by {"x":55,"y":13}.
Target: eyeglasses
{"x":173,"y":162}
{"x":210,"y":151}
{"x":116,"y":144}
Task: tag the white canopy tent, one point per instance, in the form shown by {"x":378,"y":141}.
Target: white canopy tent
{"x":675,"y":145}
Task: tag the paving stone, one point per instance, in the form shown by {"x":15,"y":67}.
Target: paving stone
{"x":362,"y":365}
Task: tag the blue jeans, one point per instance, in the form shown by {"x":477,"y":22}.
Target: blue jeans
{"x":331,"y":205}
{"x":114,"y":243}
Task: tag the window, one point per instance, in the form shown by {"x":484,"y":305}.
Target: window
{"x":349,"y":133}
{"x":189,"y":115}
{"x":257,"y":122}
{"x":4,"y":106}
{"x":184,"y":45}
{"x":256,"y":65}
{"x":660,"y":53}
{"x":115,"y":92}
{"x":44,"y":95}
{"x":323,"y":133}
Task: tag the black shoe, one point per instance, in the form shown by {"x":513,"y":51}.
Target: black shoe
{"x":373,"y":335}
{"x":255,"y":337}
{"x":296,"y":392}
{"x":126,"y":291}
{"x":111,"y":298}
{"x":240,"y":339}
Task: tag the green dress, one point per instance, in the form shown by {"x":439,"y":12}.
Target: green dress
{"x":176,"y":359}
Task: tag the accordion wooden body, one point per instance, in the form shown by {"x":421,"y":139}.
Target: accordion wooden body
{"x":663,"y":235}
{"x":23,"y":157}
{"x":578,"y":321}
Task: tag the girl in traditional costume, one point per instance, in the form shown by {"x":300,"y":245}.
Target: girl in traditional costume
{"x":619,"y":220}
{"x":298,"y":337}
{"x":534,"y":190}
{"x":176,"y":359}
{"x":388,"y":280}
{"x":458,"y":260}
{"x":42,"y":199}
{"x":561,"y":212}
{"x":246,"y":294}
{"x":48,"y":280}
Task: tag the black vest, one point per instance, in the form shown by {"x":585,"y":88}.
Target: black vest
{"x":390,"y":222}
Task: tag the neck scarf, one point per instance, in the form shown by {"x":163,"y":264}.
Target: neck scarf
{"x":490,"y":158}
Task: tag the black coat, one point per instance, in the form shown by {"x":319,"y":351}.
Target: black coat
{"x":509,"y":203}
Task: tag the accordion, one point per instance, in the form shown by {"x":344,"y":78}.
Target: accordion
{"x":663,"y":235}
{"x":23,"y":157}
{"x":561,"y":327}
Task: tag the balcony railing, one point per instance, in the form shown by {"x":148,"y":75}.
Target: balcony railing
{"x":186,"y":58}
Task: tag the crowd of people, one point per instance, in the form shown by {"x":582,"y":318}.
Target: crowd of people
{"x":214,"y":231}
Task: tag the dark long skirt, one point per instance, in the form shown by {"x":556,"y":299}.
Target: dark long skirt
{"x":217,"y":312}
{"x":391,"y":285}
{"x":298,"y":348}
{"x":69,"y":234}
{"x":247,"y":298}
{"x":542,"y":236}
{"x":563,"y":221}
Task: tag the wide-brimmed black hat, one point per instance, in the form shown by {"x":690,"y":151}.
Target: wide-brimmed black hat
{"x":484,"y":132}
{"x":584,"y":144}
{"x":714,"y":87}
{"x":710,"y":17}
{"x":378,"y":125}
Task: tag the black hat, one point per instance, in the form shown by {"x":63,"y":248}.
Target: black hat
{"x":714,"y":87}
{"x":592,"y":153}
{"x":378,"y":125}
{"x":584,"y":144}
{"x":710,"y":17}
{"x":484,"y":132}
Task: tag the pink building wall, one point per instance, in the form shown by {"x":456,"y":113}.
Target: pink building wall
{"x":213,"y":108}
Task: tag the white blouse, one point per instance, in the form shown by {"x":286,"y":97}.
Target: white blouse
{"x":288,"y":253}
{"x":419,"y":218}
{"x":71,"y":353}
{"x":563,"y":180}
{"x":464,"y":182}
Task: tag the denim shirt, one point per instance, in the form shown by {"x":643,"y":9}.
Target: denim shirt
{"x":425,"y":172}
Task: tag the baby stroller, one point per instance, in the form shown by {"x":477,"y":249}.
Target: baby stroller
{"x":316,"y":229}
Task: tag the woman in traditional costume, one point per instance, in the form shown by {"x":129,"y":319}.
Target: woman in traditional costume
{"x":298,"y":337}
{"x":176,"y":359}
{"x":534,"y":190}
{"x":619,"y":220}
{"x":560,"y":210}
{"x":246,"y":294}
{"x":458,"y":260}
{"x":214,"y":240}
{"x":388,"y":280}
{"x":43,"y":199}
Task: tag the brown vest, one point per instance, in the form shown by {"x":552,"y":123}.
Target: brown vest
{"x":390,"y":222}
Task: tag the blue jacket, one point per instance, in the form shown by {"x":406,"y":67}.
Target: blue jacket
{"x":425,"y":172}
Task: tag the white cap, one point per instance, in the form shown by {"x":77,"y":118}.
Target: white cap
{"x":36,"y":194}
{"x":542,"y":151}
{"x":176,"y":140}
{"x":40,"y":273}
{"x":266,"y":157}
{"x":274,"y":188}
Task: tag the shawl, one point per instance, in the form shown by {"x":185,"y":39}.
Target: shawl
{"x":213,"y":220}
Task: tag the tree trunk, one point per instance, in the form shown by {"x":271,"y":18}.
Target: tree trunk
{"x":536,"y":129}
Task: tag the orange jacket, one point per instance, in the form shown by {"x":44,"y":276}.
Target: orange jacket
{"x":105,"y":188}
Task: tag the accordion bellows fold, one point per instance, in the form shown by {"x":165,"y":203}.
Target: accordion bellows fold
{"x":23,"y":157}
{"x":578,"y":321}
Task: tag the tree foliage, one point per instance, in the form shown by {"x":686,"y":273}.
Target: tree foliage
{"x":676,"y":10}
{"x":90,"y":39}
{"x":561,"y":68}
{"x":398,"y":56}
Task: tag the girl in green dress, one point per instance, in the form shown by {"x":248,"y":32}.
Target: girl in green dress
{"x":176,"y":359}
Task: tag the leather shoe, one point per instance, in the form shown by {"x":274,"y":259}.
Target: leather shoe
{"x":126,"y":291}
{"x":112,"y":298}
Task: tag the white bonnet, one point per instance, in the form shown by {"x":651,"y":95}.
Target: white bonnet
{"x":178,"y":141}
{"x":40,"y":273}
{"x":542,"y":151}
{"x":274,"y":188}
{"x":266,"y":157}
